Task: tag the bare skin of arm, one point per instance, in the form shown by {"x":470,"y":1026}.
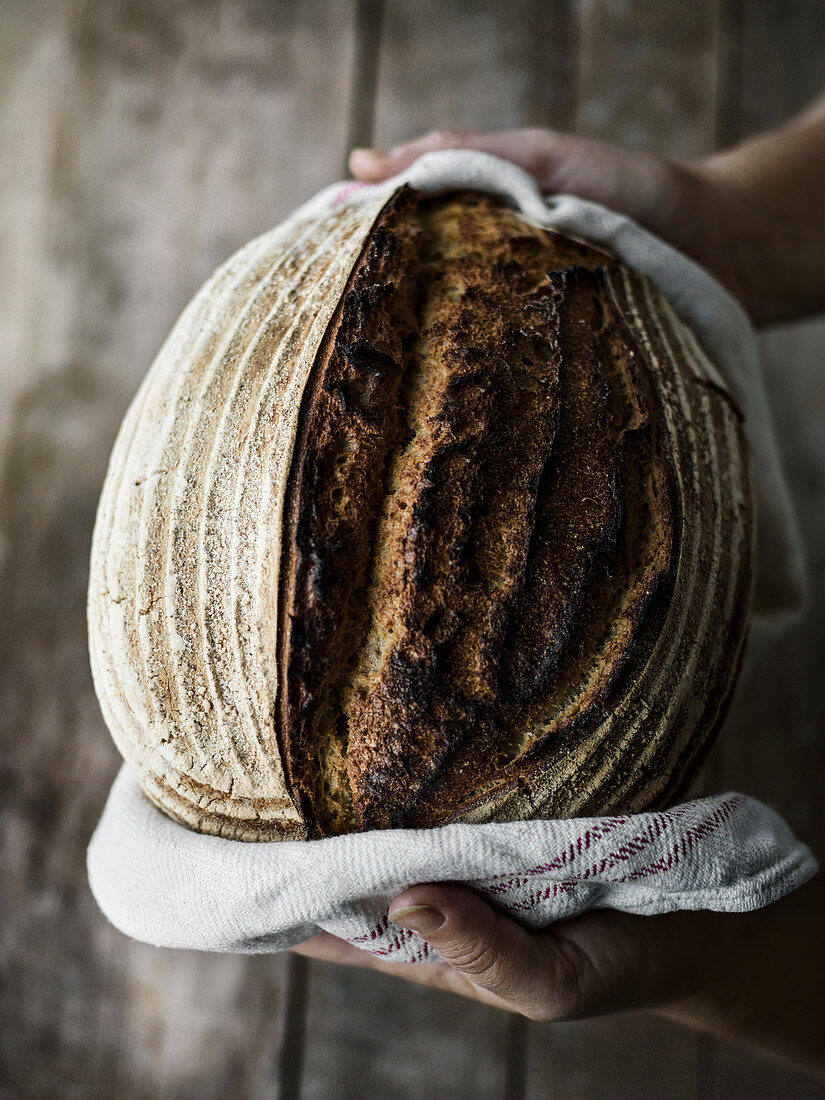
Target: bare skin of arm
{"x":755,"y":217}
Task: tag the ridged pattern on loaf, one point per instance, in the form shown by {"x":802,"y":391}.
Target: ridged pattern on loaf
{"x":184,"y":577}
{"x":640,"y":747}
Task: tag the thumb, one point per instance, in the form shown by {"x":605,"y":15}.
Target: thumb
{"x":492,"y":951}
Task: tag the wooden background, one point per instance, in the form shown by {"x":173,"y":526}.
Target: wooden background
{"x":141,"y":142}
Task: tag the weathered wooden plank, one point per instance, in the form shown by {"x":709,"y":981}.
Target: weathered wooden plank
{"x":371,"y":1035}
{"x":474,"y":66}
{"x":647,"y":75}
{"x":516,"y":1060}
{"x":646,"y":79}
{"x":622,"y":1056}
{"x":34,"y":70}
{"x":143,"y":143}
{"x":781,"y":60}
{"x":369,"y":20}
{"x":293,"y":1029}
{"x":740,"y":1074}
{"x":774,"y":741}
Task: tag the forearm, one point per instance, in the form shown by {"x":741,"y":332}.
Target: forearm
{"x":761,"y":978}
{"x":772,"y":198}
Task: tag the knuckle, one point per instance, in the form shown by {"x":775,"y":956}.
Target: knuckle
{"x":477,"y":957}
{"x":449,"y":139}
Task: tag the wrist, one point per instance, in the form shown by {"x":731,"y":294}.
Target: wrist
{"x":758,"y":977}
{"x":728,"y":234}
{"x":770,"y":196}
{"x":750,"y":247}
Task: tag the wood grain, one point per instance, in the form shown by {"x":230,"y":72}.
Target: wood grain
{"x":774,"y":742}
{"x":647,"y":75}
{"x":371,"y":1035}
{"x":474,"y":66}
{"x":645,"y":78}
{"x":369,"y":20}
{"x":781,"y":67}
{"x":628,"y":1056}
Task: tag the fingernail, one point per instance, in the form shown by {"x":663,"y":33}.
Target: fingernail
{"x":420,"y":918}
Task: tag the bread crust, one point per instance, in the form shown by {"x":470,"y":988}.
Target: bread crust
{"x":423,"y":513}
{"x":485,"y":534}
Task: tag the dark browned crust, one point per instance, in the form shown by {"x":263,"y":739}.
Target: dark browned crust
{"x":482,"y":521}
{"x":348,"y":420}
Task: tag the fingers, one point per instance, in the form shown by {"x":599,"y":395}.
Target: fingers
{"x":486,"y":956}
{"x":329,"y":948}
{"x":538,"y":152}
{"x":493,"y":953}
{"x":655,"y":193}
{"x":672,"y":200}
{"x":373,"y":165}
{"x":557,"y":161}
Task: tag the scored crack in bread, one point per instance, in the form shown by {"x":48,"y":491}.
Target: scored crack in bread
{"x":424,"y":513}
{"x":484,"y":537}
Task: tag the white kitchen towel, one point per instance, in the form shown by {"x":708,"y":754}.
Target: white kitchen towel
{"x":160,"y":882}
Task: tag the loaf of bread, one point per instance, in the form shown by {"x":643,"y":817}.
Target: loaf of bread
{"x":445,"y":518}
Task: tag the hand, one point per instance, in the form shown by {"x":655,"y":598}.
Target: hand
{"x":600,"y":962}
{"x":756,"y":977}
{"x":676,"y":202}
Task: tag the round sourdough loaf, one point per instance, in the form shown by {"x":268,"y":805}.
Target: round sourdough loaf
{"x":442,"y":517}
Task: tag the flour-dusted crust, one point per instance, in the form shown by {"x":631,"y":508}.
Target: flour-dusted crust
{"x":184,"y":573}
{"x":423,"y":514}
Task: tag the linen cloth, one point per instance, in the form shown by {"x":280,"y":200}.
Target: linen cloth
{"x":159,"y":882}
{"x":162,"y":883}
